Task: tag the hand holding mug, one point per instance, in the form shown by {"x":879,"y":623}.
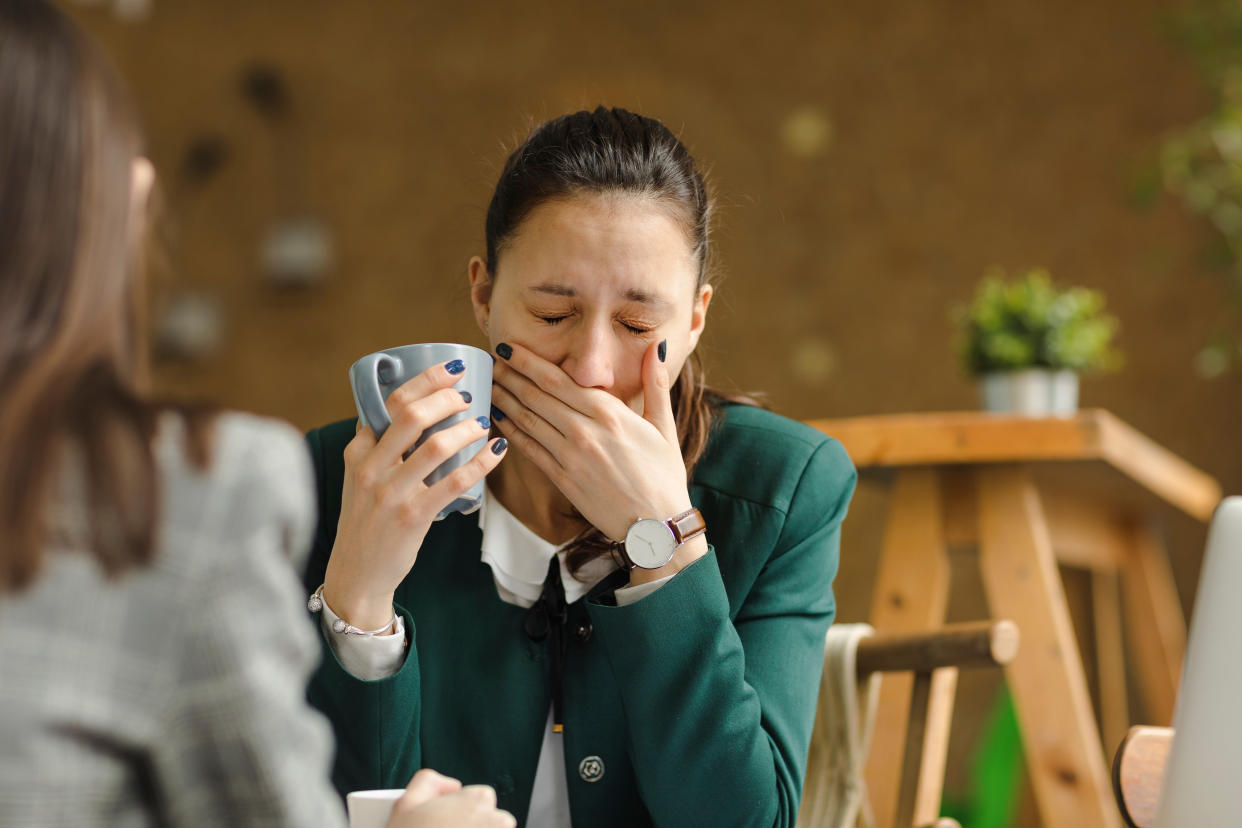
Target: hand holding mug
{"x":391,"y":493}
{"x":429,"y":801}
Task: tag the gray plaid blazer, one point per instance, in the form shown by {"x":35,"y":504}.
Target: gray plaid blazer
{"x":174,"y":695}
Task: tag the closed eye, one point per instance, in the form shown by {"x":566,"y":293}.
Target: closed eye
{"x":557,"y":318}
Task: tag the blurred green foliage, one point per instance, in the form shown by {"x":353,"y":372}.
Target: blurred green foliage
{"x":996,"y":773}
{"x":1028,"y":322}
{"x":1202,"y":163}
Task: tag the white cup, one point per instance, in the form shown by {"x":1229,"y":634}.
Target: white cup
{"x":371,"y":809}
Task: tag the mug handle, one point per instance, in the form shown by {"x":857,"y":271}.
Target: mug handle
{"x":372,"y":369}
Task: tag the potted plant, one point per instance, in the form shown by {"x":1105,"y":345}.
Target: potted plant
{"x":1028,"y":341}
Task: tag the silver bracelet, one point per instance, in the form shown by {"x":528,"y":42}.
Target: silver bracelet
{"x":315,"y":603}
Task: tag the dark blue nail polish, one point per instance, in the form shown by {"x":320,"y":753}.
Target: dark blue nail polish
{"x":483,"y":422}
{"x":504,"y":351}
{"x":499,"y":446}
{"x":455,"y":367}
{"x":662,"y":350}
{"x":465,"y":397}
{"x":497,"y":414}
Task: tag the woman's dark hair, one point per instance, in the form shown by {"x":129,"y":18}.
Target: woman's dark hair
{"x":615,"y":151}
{"x":71,"y":345}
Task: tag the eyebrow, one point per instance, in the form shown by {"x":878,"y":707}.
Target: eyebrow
{"x":630,"y":295}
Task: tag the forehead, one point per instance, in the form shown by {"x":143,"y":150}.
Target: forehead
{"x":593,"y":244}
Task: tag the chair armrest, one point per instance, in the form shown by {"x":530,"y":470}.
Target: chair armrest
{"x":972,"y":644}
{"x":1138,"y":773}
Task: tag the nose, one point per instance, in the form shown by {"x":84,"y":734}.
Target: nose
{"x":591,"y":356}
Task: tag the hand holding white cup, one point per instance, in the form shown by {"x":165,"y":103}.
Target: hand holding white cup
{"x":431,"y":800}
{"x":371,"y":809}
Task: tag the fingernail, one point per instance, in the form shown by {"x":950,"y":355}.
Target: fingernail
{"x":497,"y":414}
{"x":483,"y":422}
{"x":465,"y":397}
{"x":662,"y":350}
{"x":499,"y":446}
{"x":504,"y":351}
{"x":455,"y":367}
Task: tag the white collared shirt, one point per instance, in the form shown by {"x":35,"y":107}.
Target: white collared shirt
{"x":519,"y":562}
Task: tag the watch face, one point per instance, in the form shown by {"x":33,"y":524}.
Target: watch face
{"x":650,"y":544}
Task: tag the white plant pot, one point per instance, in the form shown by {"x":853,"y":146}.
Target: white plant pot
{"x":1035,"y":392}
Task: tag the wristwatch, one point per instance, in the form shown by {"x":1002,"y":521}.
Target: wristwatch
{"x":650,"y":543}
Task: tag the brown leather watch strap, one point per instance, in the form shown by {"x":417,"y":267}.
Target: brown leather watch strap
{"x":687,"y":525}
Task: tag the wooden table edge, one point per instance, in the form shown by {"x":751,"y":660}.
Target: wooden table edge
{"x":901,"y":440}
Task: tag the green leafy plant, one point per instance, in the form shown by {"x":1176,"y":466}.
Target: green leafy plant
{"x":1201,"y":163}
{"x":1028,"y":322}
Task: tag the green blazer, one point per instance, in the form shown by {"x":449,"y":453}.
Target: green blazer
{"x":691,"y":706}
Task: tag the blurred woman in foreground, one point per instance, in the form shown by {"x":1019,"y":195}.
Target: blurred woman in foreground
{"x":153,"y":642}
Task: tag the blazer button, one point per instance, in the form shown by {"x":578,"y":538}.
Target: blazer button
{"x":583,"y":631}
{"x":591,"y":769}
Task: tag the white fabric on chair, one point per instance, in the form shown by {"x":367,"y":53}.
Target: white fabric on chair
{"x":835,"y":795}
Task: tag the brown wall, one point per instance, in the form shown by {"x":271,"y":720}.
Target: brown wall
{"x":959,"y":135}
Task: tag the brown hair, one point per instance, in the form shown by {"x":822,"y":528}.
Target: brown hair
{"x":71,"y":348}
{"x":607,"y":151}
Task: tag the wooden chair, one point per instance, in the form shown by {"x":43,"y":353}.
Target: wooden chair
{"x":1138,"y":773}
{"x":934,"y":658}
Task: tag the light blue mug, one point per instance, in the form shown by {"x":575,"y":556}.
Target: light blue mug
{"x":377,"y":375}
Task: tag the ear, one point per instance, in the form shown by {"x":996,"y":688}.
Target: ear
{"x":698,"y":315}
{"x":480,"y":292}
{"x":134,"y":344}
{"x":141,"y":182}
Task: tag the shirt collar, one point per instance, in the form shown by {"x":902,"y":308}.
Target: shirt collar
{"x":519,"y":558}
